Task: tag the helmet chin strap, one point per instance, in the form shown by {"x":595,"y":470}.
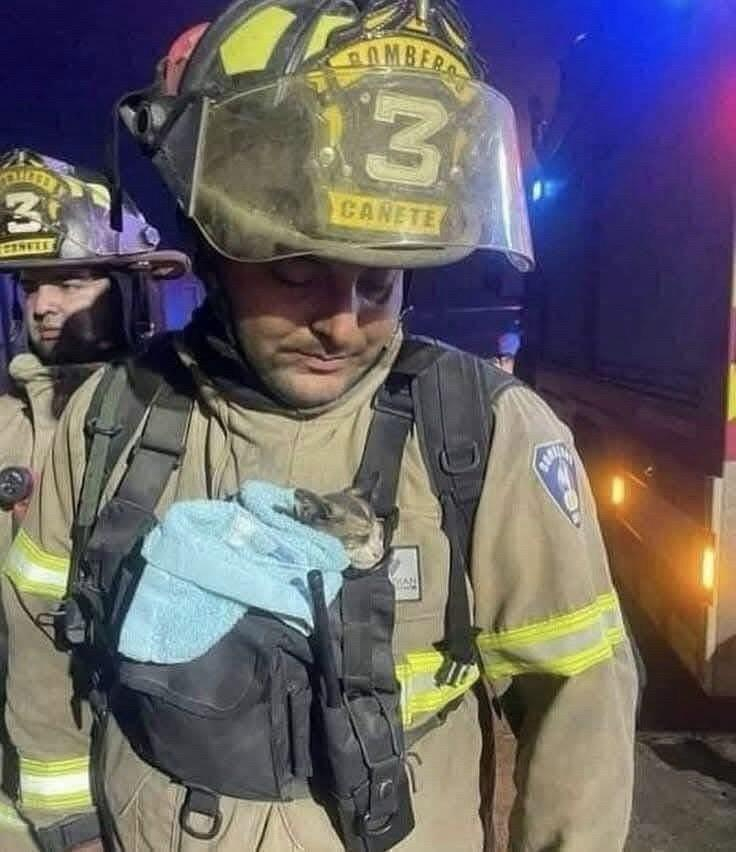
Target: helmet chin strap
{"x":113,"y":168}
{"x":216,"y":296}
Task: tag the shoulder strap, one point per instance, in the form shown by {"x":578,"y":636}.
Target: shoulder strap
{"x":102,"y":428}
{"x":447,"y":393}
{"x":119,"y":404}
{"x":393,"y":418}
{"x":454,"y":417}
{"x":153,"y":388}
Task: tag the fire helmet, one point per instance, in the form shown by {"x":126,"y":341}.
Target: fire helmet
{"x":361,"y":132}
{"x":54,"y":215}
{"x":508,"y":344}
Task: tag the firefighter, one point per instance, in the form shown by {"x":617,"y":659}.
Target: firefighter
{"x":319,"y":148}
{"x":78,"y":278}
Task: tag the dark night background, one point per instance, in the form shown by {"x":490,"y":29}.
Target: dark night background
{"x":65,"y":63}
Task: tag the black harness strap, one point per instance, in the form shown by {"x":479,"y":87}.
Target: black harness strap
{"x":116,"y":410}
{"x":158,"y":451}
{"x":115,"y":413}
{"x":455,"y":426}
{"x":130,"y":512}
{"x":102,"y":426}
{"x":69,"y":834}
{"x":393,"y":418}
{"x":448,"y":394}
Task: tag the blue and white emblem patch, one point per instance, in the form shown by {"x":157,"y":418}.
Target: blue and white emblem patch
{"x":554,"y":464}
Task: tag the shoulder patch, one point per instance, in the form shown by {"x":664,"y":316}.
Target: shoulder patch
{"x":554,"y":464}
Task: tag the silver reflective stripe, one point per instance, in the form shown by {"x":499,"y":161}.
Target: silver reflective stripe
{"x":34,"y":571}
{"x":563,"y":645}
{"x":420,"y":695}
{"x":55,"y":784}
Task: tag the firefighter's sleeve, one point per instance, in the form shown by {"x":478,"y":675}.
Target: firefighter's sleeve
{"x":551,"y":623}
{"x":49,"y":729}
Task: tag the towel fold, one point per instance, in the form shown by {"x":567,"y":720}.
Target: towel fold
{"x":208,"y":561}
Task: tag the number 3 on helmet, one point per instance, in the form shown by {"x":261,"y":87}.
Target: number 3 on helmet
{"x":366,"y":135}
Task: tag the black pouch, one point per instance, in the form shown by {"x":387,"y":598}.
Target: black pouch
{"x":360,"y":721}
{"x":371,"y":788}
{"x":235,"y":721}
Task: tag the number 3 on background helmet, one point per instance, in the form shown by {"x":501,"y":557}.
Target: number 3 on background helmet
{"x":22,"y":206}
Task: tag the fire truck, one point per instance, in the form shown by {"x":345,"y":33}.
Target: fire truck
{"x":631,"y":314}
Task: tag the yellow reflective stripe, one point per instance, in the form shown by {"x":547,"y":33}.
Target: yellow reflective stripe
{"x":251,"y":46}
{"x":566,"y":645}
{"x":34,"y":570}
{"x":420,"y":694}
{"x":10,"y":818}
{"x":55,"y":784}
{"x":552,"y":627}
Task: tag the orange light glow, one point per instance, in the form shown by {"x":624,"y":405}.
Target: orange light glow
{"x":618,"y":490}
{"x":708,"y":569}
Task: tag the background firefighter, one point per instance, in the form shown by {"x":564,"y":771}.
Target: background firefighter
{"x":82,"y":305}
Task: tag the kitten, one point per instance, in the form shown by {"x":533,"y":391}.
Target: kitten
{"x":349,"y":516}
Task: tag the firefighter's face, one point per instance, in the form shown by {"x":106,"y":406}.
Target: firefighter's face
{"x":312,"y":328}
{"x":70,"y":319}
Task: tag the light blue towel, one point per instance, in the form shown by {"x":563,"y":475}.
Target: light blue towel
{"x":209,"y":560}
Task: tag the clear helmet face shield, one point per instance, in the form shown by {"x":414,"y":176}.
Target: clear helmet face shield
{"x":378,"y":166}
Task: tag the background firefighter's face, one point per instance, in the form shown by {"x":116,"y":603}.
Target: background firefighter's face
{"x":311,"y":328}
{"x":71,"y":319}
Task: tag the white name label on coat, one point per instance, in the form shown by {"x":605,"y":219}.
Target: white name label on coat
{"x":403,"y":570}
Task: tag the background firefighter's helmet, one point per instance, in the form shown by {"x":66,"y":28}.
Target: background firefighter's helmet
{"x":56,"y":216}
{"x":508,"y":344}
{"x":317,"y":127}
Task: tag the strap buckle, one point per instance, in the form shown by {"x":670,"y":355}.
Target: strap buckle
{"x":460,"y":656}
{"x":458,"y":463}
{"x":92,"y":427}
{"x":69,"y":833}
{"x":205,"y":804}
{"x":71,"y":628}
{"x":453,"y":673}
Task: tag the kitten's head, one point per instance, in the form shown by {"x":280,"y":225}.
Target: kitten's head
{"x":349,"y":516}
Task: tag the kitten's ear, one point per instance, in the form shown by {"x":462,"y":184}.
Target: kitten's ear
{"x":368,"y":488}
{"x":310,"y":507}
